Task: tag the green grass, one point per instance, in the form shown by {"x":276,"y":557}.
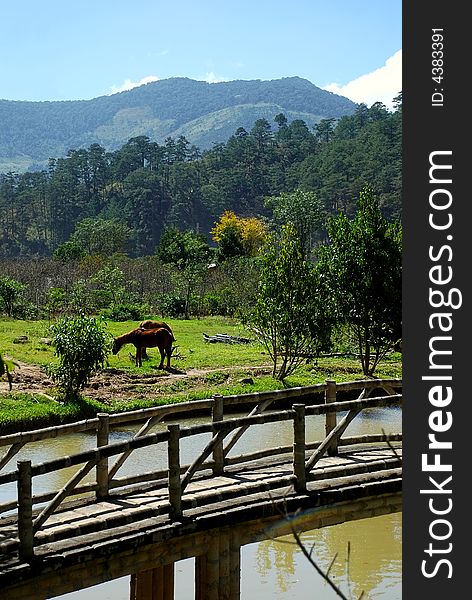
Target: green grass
{"x":32,"y":411}
{"x":32,"y":351}
{"x":22,"y":411}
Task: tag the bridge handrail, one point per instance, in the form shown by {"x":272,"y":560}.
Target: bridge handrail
{"x":155,"y":414}
{"x":191,"y":406}
{"x":114,"y":448}
{"x":219,"y":427}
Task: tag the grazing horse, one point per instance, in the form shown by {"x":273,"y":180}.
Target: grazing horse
{"x":148,"y":324}
{"x":147,"y":338}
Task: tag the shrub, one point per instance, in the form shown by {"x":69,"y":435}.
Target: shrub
{"x":11,"y":295}
{"x":82,"y":345}
{"x":213,"y":304}
{"x":173,"y":306}
{"x":127,"y":312}
{"x":6,"y":366}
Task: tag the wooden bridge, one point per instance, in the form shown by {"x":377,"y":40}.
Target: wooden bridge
{"x":89,"y":532}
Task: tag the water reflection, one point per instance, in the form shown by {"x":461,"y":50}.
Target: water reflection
{"x":277,"y":568}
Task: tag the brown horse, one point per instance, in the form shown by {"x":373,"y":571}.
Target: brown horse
{"x":148,"y":324}
{"x":147,"y":338}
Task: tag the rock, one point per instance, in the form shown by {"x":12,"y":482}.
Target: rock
{"x":247,"y":380}
{"x":47,"y":341}
{"x":21,"y":339}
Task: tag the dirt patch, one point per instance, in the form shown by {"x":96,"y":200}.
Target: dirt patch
{"x":27,"y":378}
{"x":118,"y":384}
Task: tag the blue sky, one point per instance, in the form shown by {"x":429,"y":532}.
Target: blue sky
{"x":81,"y":49}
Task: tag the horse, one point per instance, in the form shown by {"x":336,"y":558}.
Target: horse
{"x":149,"y":324}
{"x":147,"y":338}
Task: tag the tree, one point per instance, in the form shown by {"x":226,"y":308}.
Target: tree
{"x":181,"y":248}
{"x":325,"y":130}
{"x":281,"y":120}
{"x":82,"y":344}
{"x":291,"y":315}
{"x":190,"y":253}
{"x":238,"y":236}
{"x":101,"y":236}
{"x":362,"y":262}
{"x":303,"y":210}
{"x":11,"y":292}
{"x":186,"y":209}
{"x":261,"y":134}
{"x":109,"y":286}
{"x":69,"y":251}
{"x":397,"y":101}
{"x":146,"y":208}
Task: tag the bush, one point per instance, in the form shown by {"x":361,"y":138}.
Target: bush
{"x":212,"y":304}
{"x":173,"y":306}
{"x":82,"y":344}
{"x":11,"y":295}
{"x":223,"y":303}
{"x":126,"y":312}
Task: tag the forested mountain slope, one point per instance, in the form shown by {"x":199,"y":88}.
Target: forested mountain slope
{"x":147,"y":187}
{"x":32,"y":132}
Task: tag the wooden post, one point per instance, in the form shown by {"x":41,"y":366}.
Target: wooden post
{"x":223,"y":558}
{"x":218,"y":453}
{"x":103,"y":431}
{"x":218,"y":571}
{"x":153,"y":584}
{"x":234,"y":566}
{"x":299,"y":448}
{"x":330,"y":396}
{"x":200,"y":577}
{"x":175,"y":491}
{"x":213,"y":569}
{"x":25,"y":510}
{"x":167,"y":576}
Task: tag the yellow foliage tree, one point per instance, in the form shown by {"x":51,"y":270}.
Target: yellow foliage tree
{"x":239,"y":235}
{"x":254,"y":235}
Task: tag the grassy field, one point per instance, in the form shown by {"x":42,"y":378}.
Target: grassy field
{"x":208,"y":368}
{"x":192,"y":350}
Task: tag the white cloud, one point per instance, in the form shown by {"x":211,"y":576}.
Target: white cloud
{"x":382,"y":85}
{"x":129,"y":85}
{"x":210,"y":77}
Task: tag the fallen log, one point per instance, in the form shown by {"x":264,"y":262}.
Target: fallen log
{"x":224,"y":338}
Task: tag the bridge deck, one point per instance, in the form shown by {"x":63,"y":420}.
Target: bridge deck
{"x":84,"y":528}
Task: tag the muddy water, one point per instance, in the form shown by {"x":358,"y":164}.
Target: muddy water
{"x":276,"y":568}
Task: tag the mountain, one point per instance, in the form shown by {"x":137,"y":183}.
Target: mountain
{"x":32,"y":132}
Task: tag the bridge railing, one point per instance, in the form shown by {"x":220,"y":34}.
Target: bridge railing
{"x":154,"y":415}
{"x":177,"y":477}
